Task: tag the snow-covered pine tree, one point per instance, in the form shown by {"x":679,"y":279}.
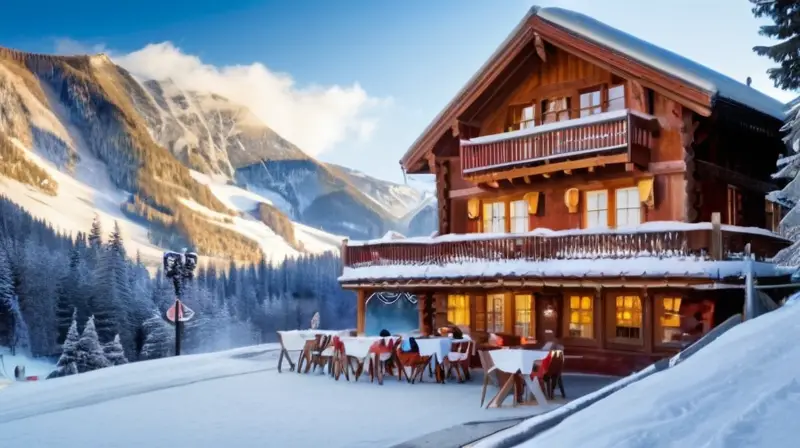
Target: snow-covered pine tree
{"x":20,"y":336}
{"x":89,"y":351}
{"x":67,"y":363}
{"x":159,"y":338}
{"x":6,"y":294}
{"x":112,"y":292}
{"x":68,"y":287}
{"x":785,"y":28}
{"x":114,"y":352}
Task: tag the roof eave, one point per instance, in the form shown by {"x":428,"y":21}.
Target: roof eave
{"x":424,"y":139}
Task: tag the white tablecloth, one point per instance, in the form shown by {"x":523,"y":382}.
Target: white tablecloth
{"x":511,"y":360}
{"x":358,"y":346}
{"x":437,"y":347}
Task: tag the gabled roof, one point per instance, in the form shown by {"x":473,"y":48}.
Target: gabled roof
{"x":697,"y":76}
{"x":663,"y":60}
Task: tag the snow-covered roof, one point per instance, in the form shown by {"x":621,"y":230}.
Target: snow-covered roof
{"x":695,"y":74}
{"x":653,"y":267}
{"x":663,"y":60}
{"x":648,"y":227}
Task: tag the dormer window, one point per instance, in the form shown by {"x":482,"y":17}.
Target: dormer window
{"x":555,"y":109}
{"x":591,"y":102}
{"x":616,"y":97}
{"x":522,"y":117}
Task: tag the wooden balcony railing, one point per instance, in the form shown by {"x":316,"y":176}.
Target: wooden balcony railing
{"x":616,"y":131}
{"x":695,"y":240}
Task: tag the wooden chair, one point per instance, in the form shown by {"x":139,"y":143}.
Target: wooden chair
{"x":313,"y":356}
{"x":552,"y":377}
{"x":379,"y":361}
{"x":291,"y":342}
{"x":339,"y":364}
{"x":458,"y":360}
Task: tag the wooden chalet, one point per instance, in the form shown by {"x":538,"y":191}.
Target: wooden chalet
{"x":592,"y":188}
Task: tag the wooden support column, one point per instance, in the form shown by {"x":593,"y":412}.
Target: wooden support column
{"x":361,"y":311}
{"x":648,"y":320}
{"x":422,"y":302}
{"x":715,"y":245}
{"x":443,"y":195}
{"x":509,"y":313}
{"x":440,"y":305}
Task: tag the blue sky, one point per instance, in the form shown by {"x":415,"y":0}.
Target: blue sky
{"x":355,"y":81}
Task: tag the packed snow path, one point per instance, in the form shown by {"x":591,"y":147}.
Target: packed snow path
{"x":233,"y":398}
{"x":742,"y":390}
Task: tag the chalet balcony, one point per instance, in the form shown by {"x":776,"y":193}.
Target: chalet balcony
{"x":670,"y":249}
{"x":622,"y":137}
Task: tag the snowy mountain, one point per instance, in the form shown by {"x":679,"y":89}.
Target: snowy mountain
{"x":80,"y":136}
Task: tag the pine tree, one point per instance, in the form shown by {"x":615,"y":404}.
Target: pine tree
{"x":159,"y":338}
{"x":114,"y":352}
{"x":6,"y":295}
{"x":785,"y":15}
{"x":67,"y":363}
{"x":113,"y":293}
{"x":20,"y":335}
{"x":89,"y":351}
{"x":68,"y":287}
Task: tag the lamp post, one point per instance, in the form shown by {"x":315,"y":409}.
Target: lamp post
{"x":179,"y":267}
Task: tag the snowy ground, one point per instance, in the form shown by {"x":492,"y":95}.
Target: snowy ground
{"x":233,"y":398}
{"x":33,"y":366}
{"x":742,"y":390}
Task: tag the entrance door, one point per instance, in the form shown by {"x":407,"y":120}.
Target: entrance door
{"x":547,"y":318}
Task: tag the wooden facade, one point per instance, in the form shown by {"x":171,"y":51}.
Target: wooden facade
{"x":559,"y":132}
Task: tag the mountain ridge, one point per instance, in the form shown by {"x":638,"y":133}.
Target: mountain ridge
{"x":80,"y":119}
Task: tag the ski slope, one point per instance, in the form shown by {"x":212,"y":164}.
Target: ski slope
{"x":246,"y":202}
{"x":88,"y":192}
{"x":234,"y":398}
{"x":742,"y":390}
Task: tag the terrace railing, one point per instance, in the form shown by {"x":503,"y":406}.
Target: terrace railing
{"x":700,"y":240}
{"x":608,"y":132}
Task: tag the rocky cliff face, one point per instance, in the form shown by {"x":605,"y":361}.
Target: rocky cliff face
{"x":127,"y":144}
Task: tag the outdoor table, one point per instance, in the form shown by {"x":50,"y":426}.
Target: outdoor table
{"x":437,"y":348}
{"x":358,"y":347}
{"x":516,"y":362}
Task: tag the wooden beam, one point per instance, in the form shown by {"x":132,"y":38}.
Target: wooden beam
{"x":624,"y":66}
{"x":549,"y":168}
{"x":361,"y":311}
{"x":708,"y":169}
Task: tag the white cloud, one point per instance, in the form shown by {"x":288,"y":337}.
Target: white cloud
{"x":69,"y":47}
{"x":315,"y":118}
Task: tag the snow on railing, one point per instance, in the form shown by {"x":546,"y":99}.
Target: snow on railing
{"x":582,"y":136}
{"x":655,"y":239}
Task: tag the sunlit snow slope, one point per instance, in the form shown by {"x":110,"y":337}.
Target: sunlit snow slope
{"x":742,"y":390}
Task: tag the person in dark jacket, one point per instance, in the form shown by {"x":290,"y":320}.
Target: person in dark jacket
{"x":385,"y":333}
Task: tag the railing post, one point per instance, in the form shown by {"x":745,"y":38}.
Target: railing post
{"x":716,"y":237}
{"x":344,"y":253}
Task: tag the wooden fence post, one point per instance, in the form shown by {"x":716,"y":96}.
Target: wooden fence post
{"x":716,"y":236}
